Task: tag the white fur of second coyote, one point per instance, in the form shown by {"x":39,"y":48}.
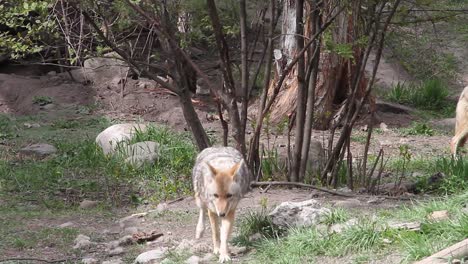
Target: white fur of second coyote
{"x":461,"y":125}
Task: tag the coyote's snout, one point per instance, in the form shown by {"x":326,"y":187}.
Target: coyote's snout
{"x":461,"y":125}
{"x":220,"y":179}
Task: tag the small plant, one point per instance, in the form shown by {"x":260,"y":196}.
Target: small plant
{"x":456,"y":171}
{"x":429,"y":95}
{"x":337,"y":215}
{"x":42,"y":100}
{"x":418,"y":128}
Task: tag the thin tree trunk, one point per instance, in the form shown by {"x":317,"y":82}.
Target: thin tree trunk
{"x":244,"y":94}
{"x":312,"y":84}
{"x":301,"y":94}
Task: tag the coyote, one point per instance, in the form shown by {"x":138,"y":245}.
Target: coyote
{"x":461,"y":125}
{"x":220,"y":179}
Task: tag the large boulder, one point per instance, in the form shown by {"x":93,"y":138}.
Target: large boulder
{"x":110,"y":67}
{"x":299,"y":214}
{"x":140,"y":153}
{"x":109,"y":139}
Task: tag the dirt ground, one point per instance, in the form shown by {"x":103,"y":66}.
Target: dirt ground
{"x":19,"y":86}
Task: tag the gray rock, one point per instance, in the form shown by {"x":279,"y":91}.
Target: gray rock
{"x":349,"y":203}
{"x":235,"y":250}
{"x":102,"y":69}
{"x":89,"y":261}
{"x":193,"y":260}
{"x":116,"y":251}
{"x":130,"y":230}
{"x":147,"y":257}
{"x":201,"y":247}
{"x":316,"y":156}
{"x":109,"y":139}
{"x":447,"y":124}
{"x":82,"y":242}
{"x":31,"y":125}
{"x":67,"y":224}
{"x":126,"y":240}
{"x":299,"y":214}
{"x":338,"y":228}
{"x":38,"y":150}
{"x":140,"y":153}
{"x":113,"y":261}
{"x":88,"y":204}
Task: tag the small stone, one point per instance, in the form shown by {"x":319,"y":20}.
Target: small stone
{"x":208,"y":257}
{"x":386,"y":241}
{"x":67,"y":224}
{"x":384,"y":127}
{"x":52,"y":73}
{"x":88,"y":204}
{"x":38,"y":150}
{"x":126,"y":240}
{"x":112,"y":244}
{"x":185,"y":245}
{"x":82,"y":242}
{"x":412,"y":226}
{"x":130,"y":230}
{"x":375,"y":200}
{"x":89,"y":261}
{"x":338,"y":228}
{"x":116,"y":251}
{"x":238,"y":250}
{"x":255,"y":237}
{"x":439,"y":216}
{"x":31,"y":125}
{"x":48,"y":106}
{"x":345,"y":190}
{"x":193,"y":260}
{"x":113,"y":261}
{"x":349,"y":203}
{"x":151,"y":255}
{"x":161,"y":207}
{"x":201,"y":247}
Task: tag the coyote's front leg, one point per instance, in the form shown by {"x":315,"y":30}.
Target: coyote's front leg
{"x":226,"y":229}
{"x":214,"y":231}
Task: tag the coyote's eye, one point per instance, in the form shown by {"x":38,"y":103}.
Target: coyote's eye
{"x":215,"y":195}
{"x":229,"y":195}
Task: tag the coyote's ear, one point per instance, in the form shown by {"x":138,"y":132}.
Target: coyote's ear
{"x":235,"y":169}
{"x":212,"y":169}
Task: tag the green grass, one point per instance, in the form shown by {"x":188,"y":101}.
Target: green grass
{"x":428,"y":95}
{"x":373,"y":237}
{"x":418,"y":128}
{"x":42,"y":100}
{"x":80,"y":169}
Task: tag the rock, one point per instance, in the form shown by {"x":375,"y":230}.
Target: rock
{"x":126,"y":240}
{"x":345,"y":190}
{"x":300,"y":214}
{"x":104,"y":69}
{"x":375,"y":200}
{"x":113,"y":261}
{"x":349,"y":203}
{"x":31,"y":125}
{"x":140,"y":153}
{"x":338,"y":228}
{"x":113,"y":244}
{"x":116,"y":251}
{"x":412,"y":226}
{"x":202,"y":90}
{"x":202,"y":247}
{"x":82,"y":242}
{"x":185,"y":244}
{"x":447,"y":124}
{"x":67,"y":224}
{"x":52,"y":73}
{"x":255,"y":237}
{"x":144,"y":83}
{"x":235,"y":250}
{"x":439,"y":216}
{"x":384,"y":127}
{"x":88,"y":204}
{"x":162,"y":207}
{"x":89,"y":261}
{"x":394,"y":108}
{"x":109,"y":139}
{"x":130,"y":230}
{"x":316,"y":156}
{"x":193,"y":260}
{"x":48,"y":106}
{"x":38,"y":150}
{"x":151,"y":255}
{"x":208,"y":257}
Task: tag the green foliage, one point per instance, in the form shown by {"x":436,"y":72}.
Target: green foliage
{"x":337,"y":215}
{"x":27,"y":27}
{"x":418,"y":128}
{"x":456,"y":172}
{"x":256,"y":223}
{"x":42,"y":100}
{"x":429,"y":95}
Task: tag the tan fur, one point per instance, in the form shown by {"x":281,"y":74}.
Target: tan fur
{"x":220,"y":179}
{"x":461,"y":125}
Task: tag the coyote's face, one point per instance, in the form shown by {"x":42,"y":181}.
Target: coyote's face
{"x":223,"y":190}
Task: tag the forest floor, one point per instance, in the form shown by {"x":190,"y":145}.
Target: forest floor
{"x":40,"y":220}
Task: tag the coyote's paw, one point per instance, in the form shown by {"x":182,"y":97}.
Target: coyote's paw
{"x":216,"y":250}
{"x":224,"y":258}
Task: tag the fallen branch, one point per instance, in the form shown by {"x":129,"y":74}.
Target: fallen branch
{"x":349,"y":195}
{"x":298,"y":184}
{"x":459,"y":250}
